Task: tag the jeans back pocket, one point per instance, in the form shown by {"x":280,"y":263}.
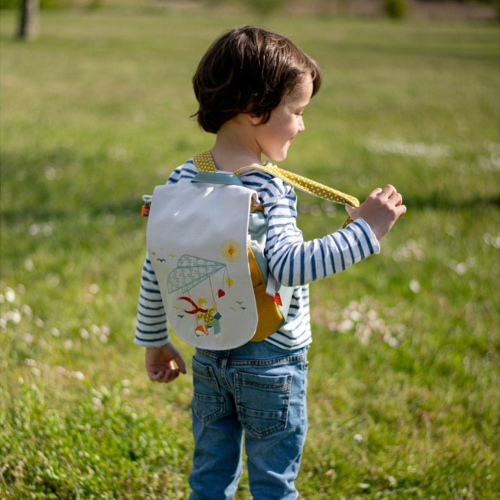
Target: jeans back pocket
{"x":262,"y":402}
{"x":208,"y":403}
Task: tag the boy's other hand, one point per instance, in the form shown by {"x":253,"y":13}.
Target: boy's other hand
{"x":380,"y":210}
{"x":160,"y":363}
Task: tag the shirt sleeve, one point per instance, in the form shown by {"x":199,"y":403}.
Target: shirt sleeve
{"x":295,"y":262}
{"x":151,"y":326}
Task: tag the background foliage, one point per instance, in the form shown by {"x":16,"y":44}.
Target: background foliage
{"x":403,"y":387}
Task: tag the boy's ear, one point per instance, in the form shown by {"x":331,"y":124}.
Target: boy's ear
{"x":253,"y":119}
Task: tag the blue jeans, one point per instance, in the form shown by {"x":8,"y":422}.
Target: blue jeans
{"x":259,"y":390}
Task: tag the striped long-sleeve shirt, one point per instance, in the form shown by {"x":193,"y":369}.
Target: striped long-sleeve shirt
{"x":292,"y":261}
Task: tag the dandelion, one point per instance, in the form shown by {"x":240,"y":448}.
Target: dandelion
{"x":392,"y":481}
{"x":10,"y":295}
{"x":355,"y":316}
{"x":50,"y":173}
{"x":346,"y":325}
{"x":459,"y":267}
{"x":358,"y":438}
{"x":97,"y":402}
{"x":15,"y":316}
{"x":492,"y":240}
{"x":29,"y":265}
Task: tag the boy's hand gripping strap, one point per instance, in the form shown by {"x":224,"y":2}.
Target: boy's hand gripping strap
{"x":204,"y":162}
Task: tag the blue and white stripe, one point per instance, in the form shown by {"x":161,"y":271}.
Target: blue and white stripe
{"x":292,"y":261}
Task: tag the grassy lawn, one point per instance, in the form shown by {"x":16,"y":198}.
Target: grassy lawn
{"x":404,"y":380}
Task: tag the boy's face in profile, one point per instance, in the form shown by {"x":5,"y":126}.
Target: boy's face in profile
{"x":274,"y":137}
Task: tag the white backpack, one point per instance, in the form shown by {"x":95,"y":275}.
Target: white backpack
{"x":206,"y":239}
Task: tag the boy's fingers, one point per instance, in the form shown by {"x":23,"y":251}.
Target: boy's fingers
{"x":388,"y":191}
{"x":397,"y":199}
{"x":400,"y":210}
{"x":154,"y":376}
{"x":375,"y":192}
{"x":180,"y":363}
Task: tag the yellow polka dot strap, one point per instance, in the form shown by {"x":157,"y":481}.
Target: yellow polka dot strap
{"x":205,"y":162}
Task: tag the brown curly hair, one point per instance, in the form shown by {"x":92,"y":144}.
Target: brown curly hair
{"x":248,"y":70}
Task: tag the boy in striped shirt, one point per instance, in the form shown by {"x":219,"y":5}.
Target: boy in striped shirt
{"x":252,"y":86}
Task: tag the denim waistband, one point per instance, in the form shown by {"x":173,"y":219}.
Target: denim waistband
{"x":257,"y":353}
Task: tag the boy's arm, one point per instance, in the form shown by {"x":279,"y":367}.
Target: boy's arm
{"x":151,"y":327}
{"x":294,"y":262}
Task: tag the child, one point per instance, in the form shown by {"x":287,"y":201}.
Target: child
{"x":252,"y":87}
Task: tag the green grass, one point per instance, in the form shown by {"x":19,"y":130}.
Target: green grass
{"x":404,"y":380}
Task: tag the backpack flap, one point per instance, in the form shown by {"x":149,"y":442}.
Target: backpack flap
{"x":199,"y":255}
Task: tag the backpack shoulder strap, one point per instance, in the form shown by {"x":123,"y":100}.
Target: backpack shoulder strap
{"x":204,"y":162}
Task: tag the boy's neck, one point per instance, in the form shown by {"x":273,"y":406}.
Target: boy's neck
{"x":232,"y":150}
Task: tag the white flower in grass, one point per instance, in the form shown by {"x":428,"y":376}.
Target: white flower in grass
{"x":346,"y":325}
{"x":55,"y":332}
{"x":84,"y":333}
{"x":15,"y":316}
{"x":10,"y":295}
{"x":392,"y":481}
{"x":415,"y":286}
{"x":29,"y":265}
{"x":78,"y":375}
{"x":97,"y":402}
{"x":358,"y":438}
{"x":50,"y":173}
{"x":28,"y":338}
{"x":355,"y":316}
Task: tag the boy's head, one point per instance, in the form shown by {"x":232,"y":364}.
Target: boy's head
{"x":248,"y":70}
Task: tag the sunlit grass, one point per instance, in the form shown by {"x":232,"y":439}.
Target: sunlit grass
{"x":403,"y":383}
